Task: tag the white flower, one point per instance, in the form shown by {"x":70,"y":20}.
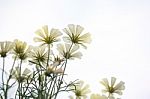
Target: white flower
{"x":21,"y":49}
{"x":97,"y":96}
{"x":39,"y":55}
{"x":46,"y":36}
{"x":80,"y":90}
{"x":74,"y":35}
{"x":5,"y":47}
{"x":69,"y":51}
{"x":112,"y":87}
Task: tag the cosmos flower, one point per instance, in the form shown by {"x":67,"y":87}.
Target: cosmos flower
{"x":80,"y":90}
{"x":97,"y":96}
{"x":39,"y":55}
{"x":24,"y":76}
{"x":68,"y":51}
{"x":46,"y":36}
{"x":57,"y":61}
{"x":21,"y":49}
{"x":75,"y":36}
{"x":5,"y":47}
{"x":112,"y":88}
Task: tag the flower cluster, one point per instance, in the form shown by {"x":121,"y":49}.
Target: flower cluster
{"x":81,"y":91}
{"x":39,"y":71}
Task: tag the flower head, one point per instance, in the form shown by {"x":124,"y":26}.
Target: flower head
{"x":39,"y":55}
{"x":46,"y":36}
{"x":5,"y":47}
{"x":69,"y":51}
{"x":74,"y":35}
{"x":57,"y":61}
{"x":97,"y":96}
{"x":24,"y":76}
{"x":21,"y":49}
{"x":80,"y":90}
{"x":112,"y":88}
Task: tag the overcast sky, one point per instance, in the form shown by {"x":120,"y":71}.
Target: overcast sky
{"x":119,"y":28}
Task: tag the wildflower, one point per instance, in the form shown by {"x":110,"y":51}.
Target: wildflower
{"x":80,"y":90}
{"x":20,"y":77}
{"x":97,"y":96}
{"x":57,"y":61}
{"x":74,"y":35}
{"x":21,"y":49}
{"x":53,"y":70}
{"x":39,"y":55}
{"x":47,"y":37}
{"x":112,"y":87}
{"x":69,"y":51}
{"x":5,"y":47}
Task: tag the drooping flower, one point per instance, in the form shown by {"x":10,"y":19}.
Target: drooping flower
{"x":80,"y":90}
{"x":23,"y":77}
{"x":5,"y":47}
{"x":21,"y":49}
{"x":75,"y":36}
{"x":69,"y":51}
{"x":39,"y":55}
{"x":46,"y":36}
{"x":97,"y":96}
{"x":112,"y":88}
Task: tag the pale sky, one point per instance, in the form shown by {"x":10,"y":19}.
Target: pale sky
{"x":119,"y":29}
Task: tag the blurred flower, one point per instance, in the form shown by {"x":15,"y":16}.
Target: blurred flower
{"x":39,"y":55}
{"x":47,"y":37}
{"x":97,"y":96}
{"x":53,"y":70}
{"x":74,"y":35}
{"x":69,"y":51}
{"x":57,"y":61}
{"x":80,"y":90}
{"x":5,"y":47}
{"x":112,"y":87}
{"x":21,"y":49}
{"x":24,"y":76}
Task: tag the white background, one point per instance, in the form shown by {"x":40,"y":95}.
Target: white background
{"x":119,"y":28}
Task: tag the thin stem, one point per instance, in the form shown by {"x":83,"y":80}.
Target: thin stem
{"x":47,"y":66}
{"x":63,"y":73}
{"x":48,"y":56}
{"x":20,"y":83}
{"x":7,"y":87}
{"x":3,"y":69}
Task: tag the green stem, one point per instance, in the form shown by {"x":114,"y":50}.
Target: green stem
{"x":3,"y":69}
{"x":46,"y":67}
{"x":48,"y":56}
{"x":20,"y":83}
